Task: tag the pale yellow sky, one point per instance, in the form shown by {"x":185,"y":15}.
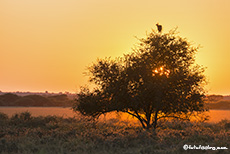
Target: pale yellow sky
{"x":47,"y":44}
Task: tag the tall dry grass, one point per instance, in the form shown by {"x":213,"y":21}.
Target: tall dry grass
{"x":23,"y":133}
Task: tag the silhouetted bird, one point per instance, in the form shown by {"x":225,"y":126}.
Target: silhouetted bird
{"x":159,"y":27}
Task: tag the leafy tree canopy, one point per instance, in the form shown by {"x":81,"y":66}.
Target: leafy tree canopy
{"x":159,"y":79}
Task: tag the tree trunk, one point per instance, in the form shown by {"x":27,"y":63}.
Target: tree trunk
{"x":148,"y":122}
{"x":155,"y":120}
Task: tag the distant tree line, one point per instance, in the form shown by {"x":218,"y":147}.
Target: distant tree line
{"x":214,"y":98}
{"x":220,"y":105}
{"x":10,"y":99}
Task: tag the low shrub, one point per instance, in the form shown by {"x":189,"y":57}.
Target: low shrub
{"x":3,"y":116}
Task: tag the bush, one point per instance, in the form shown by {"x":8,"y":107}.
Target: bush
{"x":3,"y":116}
{"x":25,"y":115}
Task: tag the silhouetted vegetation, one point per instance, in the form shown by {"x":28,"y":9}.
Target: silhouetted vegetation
{"x":158,"y":80}
{"x":217,"y":102}
{"x":214,"y":98}
{"x":35,"y":100}
{"x":23,"y":133}
{"x":8,"y":99}
{"x":221,"y":105}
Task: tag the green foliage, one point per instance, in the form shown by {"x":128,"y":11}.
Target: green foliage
{"x":158,"y":80}
{"x":53,"y":134}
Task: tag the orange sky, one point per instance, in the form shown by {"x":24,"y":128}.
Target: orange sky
{"x":47,"y":44}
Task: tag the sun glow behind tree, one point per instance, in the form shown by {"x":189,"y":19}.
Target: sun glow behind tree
{"x":161,"y":71}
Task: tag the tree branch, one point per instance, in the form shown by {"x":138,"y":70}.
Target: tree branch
{"x":138,"y":117}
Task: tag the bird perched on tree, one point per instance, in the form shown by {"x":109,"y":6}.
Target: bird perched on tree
{"x":159,"y":27}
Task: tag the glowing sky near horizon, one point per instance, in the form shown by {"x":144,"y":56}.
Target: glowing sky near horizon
{"x":46,"y":45}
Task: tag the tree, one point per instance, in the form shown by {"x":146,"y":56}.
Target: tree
{"x":158,"y":80}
